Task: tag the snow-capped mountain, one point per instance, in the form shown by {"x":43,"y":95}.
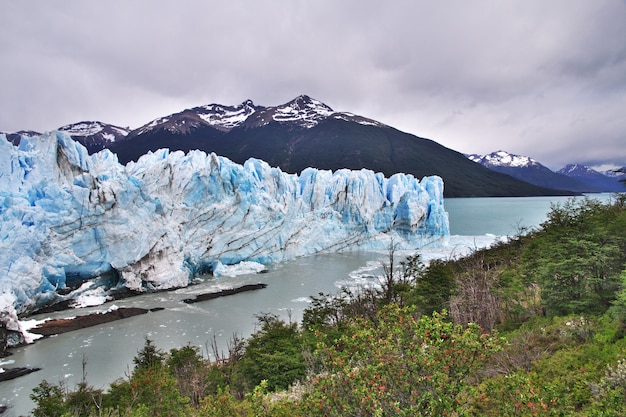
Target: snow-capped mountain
{"x":529,"y":170}
{"x":220,"y":117}
{"x":504,"y":159}
{"x":608,"y":182}
{"x":303,"y":111}
{"x":94,"y":135}
{"x":74,"y":224}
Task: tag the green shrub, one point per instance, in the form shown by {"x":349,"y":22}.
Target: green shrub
{"x":399,"y":365}
{"x":274,"y":353}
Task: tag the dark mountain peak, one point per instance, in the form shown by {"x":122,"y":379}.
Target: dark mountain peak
{"x":16,"y":137}
{"x":225,"y":118}
{"x":302,"y":111}
{"x":581,"y":171}
{"x":95,"y":135}
{"x":304,"y":102}
{"x":218,"y":116}
{"x":572,"y":169}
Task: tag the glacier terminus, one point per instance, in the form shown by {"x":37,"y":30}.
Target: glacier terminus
{"x":76,"y":225}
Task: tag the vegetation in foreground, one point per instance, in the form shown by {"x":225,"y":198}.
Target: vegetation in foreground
{"x":534,"y":326}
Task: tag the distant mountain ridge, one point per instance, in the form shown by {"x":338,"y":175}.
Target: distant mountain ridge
{"x":301,"y":133}
{"x":302,"y":112}
{"x":577,"y":178}
{"x":220,"y":117}
{"x":15,"y":137}
{"x":93,"y":135}
{"x":607,"y":181}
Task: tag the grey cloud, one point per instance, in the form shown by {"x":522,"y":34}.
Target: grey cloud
{"x":530,"y":77}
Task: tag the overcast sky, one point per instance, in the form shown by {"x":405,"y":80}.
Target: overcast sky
{"x":542,"y":78}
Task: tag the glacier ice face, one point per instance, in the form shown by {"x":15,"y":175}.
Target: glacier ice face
{"x":68,"y":218}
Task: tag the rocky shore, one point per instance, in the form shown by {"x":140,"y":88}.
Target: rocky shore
{"x":222,"y":293}
{"x":12,"y":373}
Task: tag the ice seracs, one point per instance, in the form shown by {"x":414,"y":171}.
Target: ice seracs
{"x":77,"y":227}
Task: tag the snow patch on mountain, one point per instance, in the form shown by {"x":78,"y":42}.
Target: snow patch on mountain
{"x":226,"y":117}
{"x":350,"y":117}
{"x":305,"y":110}
{"x":86,"y":129}
{"x":503,"y":158}
{"x":570,"y":169}
{"x":82,"y":128}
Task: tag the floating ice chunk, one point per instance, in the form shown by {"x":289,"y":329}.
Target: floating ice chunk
{"x":242,"y":268}
{"x":90,"y":298}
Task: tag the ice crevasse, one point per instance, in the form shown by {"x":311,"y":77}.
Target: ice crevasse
{"x":71,"y":221}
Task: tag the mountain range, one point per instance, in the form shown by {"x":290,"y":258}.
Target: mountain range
{"x":573,"y":177}
{"x":307,"y":133}
{"x":612,"y":180}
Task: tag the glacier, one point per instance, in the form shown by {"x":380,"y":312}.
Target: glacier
{"x":73,"y":222}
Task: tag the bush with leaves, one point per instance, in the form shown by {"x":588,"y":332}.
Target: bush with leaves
{"x":578,"y":255}
{"x":434,"y":285}
{"x":151,"y":389}
{"x":514,"y":394}
{"x":274,"y":353}
{"x":189,"y":369}
{"x":400,"y":365}
{"x":49,"y":400}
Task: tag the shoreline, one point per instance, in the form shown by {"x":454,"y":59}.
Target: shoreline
{"x":54,"y":327}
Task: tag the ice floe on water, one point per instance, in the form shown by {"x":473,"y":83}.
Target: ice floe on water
{"x":242,"y":268}
{"x":90,"y":297}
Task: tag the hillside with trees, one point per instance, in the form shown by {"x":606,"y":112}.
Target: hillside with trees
{"x":534,"y":326}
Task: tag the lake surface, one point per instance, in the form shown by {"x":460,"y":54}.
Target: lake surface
{"x":502,"y":216}
{"x":109,"y":348}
